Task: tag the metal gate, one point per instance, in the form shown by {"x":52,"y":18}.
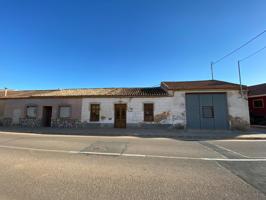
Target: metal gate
{"x":206,"y":111}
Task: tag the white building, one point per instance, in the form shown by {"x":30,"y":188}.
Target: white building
{"x":207,"y":104}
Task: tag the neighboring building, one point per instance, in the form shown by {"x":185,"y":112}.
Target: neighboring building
{"x":209,"y":104}
{"x":257,"y":103}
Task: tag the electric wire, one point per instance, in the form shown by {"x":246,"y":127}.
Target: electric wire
{"x":243,"y":45}
{"x":252,"y":54}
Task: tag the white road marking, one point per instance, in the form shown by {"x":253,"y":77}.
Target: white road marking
{"x":242,"y":140}
{"x":99,"y":153}
{"x":133,"y":155}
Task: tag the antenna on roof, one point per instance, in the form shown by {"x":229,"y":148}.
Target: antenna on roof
{"x":212,"y":70}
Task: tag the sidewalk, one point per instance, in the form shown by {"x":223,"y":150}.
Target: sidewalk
{"x":140,"y":132}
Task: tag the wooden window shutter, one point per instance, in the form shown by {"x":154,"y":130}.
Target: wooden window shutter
{"x":148,"y":112}
{"x":95,"y":112}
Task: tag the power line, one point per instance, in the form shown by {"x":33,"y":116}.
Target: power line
{"x":253,"y":54}
{"x":243,"y":45}
{"x":232,"y":52}
{"x":238,"y":65}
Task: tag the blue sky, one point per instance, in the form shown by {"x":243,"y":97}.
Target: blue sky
{"x":127,"y":43}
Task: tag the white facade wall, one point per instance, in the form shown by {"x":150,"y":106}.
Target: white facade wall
{"x":238,"y":109}
{"x":167,"y":110}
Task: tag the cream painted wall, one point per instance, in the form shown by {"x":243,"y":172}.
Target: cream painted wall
{"x":2,"y":108}
{"x":16,"y":108}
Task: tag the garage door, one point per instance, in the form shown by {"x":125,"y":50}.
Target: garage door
{"x":206,"y":111}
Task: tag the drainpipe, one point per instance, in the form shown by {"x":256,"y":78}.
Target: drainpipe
{"x":5,"y":92}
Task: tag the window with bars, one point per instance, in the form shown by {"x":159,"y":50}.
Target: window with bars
{"x":31,"y":111}
{"x":258,"y":103}
{"x":64,"y":111}
{"x":95,"y":112}
{"x":207,"y":112}
{"x":148,"y":112}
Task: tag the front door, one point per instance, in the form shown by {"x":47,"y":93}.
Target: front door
{"x":120,"y":115}
{"x":47,"y":115}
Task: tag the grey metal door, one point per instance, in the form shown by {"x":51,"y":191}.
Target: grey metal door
{"x":192,"y":111}
{"x":206,"y":111}
{"x":220,"y":111}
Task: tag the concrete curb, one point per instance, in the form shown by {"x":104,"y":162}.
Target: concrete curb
{"x":148,"y":133}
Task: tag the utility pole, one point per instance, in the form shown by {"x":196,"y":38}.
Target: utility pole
{"x":239,"y":75}
{"x":212,"y":70}
{"x":241,"y":60}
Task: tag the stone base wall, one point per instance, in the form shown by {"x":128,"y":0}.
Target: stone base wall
{"x":148,"y":125}
{"x":75,"y":123}
{"x":28,"y":122}
{"x":65,"y":123}
{"x":6,"y":122}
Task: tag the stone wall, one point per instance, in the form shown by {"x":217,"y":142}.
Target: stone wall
{"x":74,"y":123}
{"x":66,"y":123}
{"x":30,"y":122}
{"x":7,"y":121}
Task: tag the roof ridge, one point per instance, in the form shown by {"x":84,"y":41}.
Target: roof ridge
{"x":111,"y":88}
{"x":126,"y":92}
{"x":199,"y":81}
{"x":44,"y":90}
{"x":257,"y":85}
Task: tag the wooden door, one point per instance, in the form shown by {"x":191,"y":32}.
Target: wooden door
{"x":120,"y":115}
{"x":47,"y":115}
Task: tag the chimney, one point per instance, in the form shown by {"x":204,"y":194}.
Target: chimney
{"x":5,"y":92}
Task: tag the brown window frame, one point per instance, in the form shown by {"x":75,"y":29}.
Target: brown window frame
{"x":95,"y":112}
{"x":262,"y":103}
{"x":148,"y":114}
{"x":59,"y":111}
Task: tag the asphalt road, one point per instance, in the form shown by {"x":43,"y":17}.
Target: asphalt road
{"x":89,"y":167}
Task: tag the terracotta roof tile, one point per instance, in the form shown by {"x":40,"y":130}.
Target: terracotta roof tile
{"x":257,"y":89}
{"x":100,"y":92}
{"x":200,"y":85}
{"x":122,"y":92}
{"x":21,"y":93}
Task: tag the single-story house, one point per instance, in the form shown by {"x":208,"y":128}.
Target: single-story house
{"x":208,"y":104}
{"x":257,"y":104}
